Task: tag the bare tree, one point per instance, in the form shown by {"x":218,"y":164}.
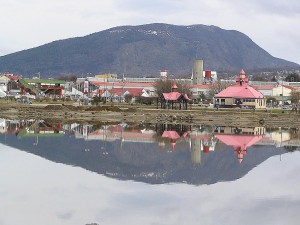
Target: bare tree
{"x":165,"y":86}
{"x":295,"y":96}
{"x":217,"y":87}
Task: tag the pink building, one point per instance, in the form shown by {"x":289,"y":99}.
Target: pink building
{"x":240,"y":95}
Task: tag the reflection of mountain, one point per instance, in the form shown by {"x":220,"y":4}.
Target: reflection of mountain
{"x":143,"y":162}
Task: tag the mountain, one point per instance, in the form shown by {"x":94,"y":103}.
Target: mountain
{"x":143,"y":51}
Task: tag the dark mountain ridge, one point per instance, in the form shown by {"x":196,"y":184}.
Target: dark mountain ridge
{"x":143,"y":51}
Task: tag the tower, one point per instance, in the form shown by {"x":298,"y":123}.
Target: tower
{"x":197,"y":71}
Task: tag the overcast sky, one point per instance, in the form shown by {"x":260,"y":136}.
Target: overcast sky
{"x":272,"y":24}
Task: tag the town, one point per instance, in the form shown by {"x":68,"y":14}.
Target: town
{"x":204,"y":88}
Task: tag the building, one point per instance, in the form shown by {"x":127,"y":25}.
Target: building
{"x":174,"y":99}
{"x":240,"y":95}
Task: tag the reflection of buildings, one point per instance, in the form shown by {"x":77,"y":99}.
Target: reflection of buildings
{"x":240,"y":138}
{"x":40,"y":128}
{"x":121,"y":132}
{"x":200,"y":140}
{"x":33,"y":128}
{"x":240,"y":130}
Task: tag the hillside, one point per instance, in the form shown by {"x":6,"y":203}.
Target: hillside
{"x":143,"y":51}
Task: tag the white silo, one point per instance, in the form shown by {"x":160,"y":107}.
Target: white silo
{"x":198,"y":71}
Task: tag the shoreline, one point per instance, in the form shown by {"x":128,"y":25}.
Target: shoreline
{"x":117,"y":114}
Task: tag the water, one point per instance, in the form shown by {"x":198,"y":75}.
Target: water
{"x":121,"y":174}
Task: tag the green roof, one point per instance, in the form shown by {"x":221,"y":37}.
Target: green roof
{"x":47,"y":81}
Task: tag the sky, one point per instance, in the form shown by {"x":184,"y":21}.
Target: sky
{"x":272,"y":24}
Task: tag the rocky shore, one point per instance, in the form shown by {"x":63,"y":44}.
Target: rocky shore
{"x":112,"y":114}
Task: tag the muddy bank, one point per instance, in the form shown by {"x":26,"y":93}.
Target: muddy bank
{"x":110,"y":114}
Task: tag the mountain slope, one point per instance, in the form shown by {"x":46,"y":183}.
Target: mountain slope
{"x":144,"y":50}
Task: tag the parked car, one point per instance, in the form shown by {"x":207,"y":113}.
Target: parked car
{"x":285,"y":107}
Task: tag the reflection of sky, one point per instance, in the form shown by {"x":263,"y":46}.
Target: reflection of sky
{"x":36,"y":191}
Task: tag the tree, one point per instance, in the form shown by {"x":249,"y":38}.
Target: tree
{"x":201,"y":96}
{"x":128,"y":98}
{"x":295,"y":97}
{"x":68,"y":78}
{"x":217,"y":87}
{"x":293,"y":77}
{"x":96,"y":99}
{"x":274,"y":79}
{"x":272,"y":101}
{"x":259,"y":78}
{"x":165,"y":86}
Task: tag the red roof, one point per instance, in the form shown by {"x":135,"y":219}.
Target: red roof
{"x":117,"y":91}
{"x":172,"y":95}
{"x":135,"y":91}
{"x":12,"y":77}
{"x":132,"y":91}
{"x":121,"y":84}
{"x":239,"y":91}
{"x":175,"y":96}
{"x":202,"y":86}
{"x":263,"y":87}
{"x":289,"y":87}
{"x":242,"y":72}
{"x":174,"y":86}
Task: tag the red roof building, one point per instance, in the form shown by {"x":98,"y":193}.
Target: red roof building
{"x":240,"y":95}
{"x":174,"y":99}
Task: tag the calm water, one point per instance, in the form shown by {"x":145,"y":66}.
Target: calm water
{"x":158,"y":174}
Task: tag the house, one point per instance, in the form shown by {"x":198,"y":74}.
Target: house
{"x":282,"y":93}
{"x":266,"y":90}
{"x":240,"y":95}
{"x":118,"y":94}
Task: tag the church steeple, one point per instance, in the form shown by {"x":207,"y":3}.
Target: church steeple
{"x":242,"y":79}
{"x":174,"y":87}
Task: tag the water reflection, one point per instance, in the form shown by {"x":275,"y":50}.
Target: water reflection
{"x":160,"y":153}
{"x":34,"y":190}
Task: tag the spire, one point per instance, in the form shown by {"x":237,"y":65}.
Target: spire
{"x":173,"y":143}
{"x":242,"y":74}
{"x":242,"y":80}
{"x":174,"y":86}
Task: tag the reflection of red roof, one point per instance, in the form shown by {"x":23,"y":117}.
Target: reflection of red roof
{"x":239,"y":91}
{"x":185,"y":134}
{"x":171,"y":134}
{"x":242,"y":141}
